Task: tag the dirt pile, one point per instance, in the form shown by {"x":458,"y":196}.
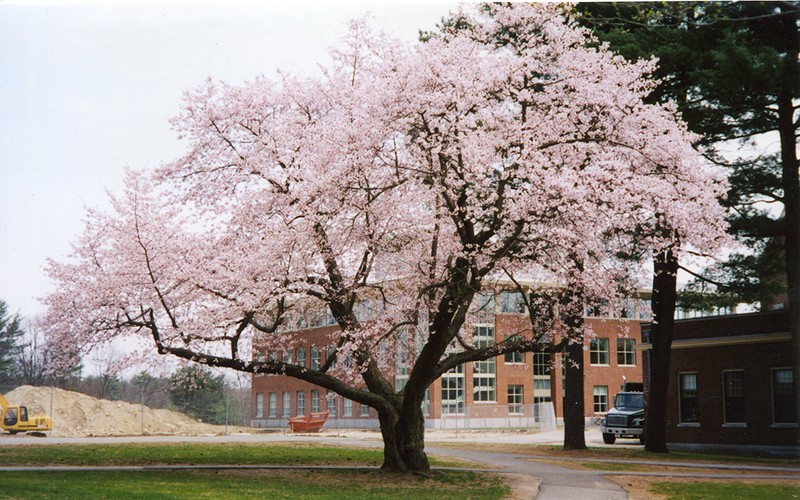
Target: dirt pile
{"x":76,"y":415}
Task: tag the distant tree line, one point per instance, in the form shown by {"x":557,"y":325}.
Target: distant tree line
{"x":196,"y":391}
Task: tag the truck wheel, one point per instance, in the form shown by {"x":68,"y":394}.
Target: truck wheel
{"x":609,"y":438}
{"x":641,"y":439}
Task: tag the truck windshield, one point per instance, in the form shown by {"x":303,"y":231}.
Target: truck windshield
{"x":629,"y":400}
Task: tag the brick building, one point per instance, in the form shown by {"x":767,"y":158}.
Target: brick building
{"x":731,"y":384}
{"x":514,"y":390}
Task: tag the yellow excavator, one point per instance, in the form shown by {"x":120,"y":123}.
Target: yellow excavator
{"x":16,"y":419}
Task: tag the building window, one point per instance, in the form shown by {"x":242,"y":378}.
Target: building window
{"x":598,"y":351}
{"x":316,"y":358}
{"x":733,"y":382}
{"x":600,"y":399}
{"x":301,"y":403}
{"x":287,"y":405}
{"x":330,"y":353}
{"x":401,"y":360}
{"x":626,"y":352}
{"x":348,"y":408}
{"x":331,"y":397}
{"x":689,"y":407}
{"x":515,"y":399}
{"x":259,"y":405}
{"x":484,"y":372}
{"x":453,"y":391}
{"x":364,"y":410}
{"x":273,"y":404}
{"x":512,"y":302}
{"x":783,"y":410}
{"x":315,"y":401}
{"x":541,"y":376}
{"x":514,"y":356}
{"x":301,"y":356}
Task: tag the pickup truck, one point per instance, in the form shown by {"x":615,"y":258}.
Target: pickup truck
{"x":626,"y":418}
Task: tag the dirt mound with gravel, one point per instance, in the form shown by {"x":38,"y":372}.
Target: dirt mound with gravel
{"x":77,"y":415}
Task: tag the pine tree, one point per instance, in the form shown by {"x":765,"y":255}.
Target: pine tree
{"x":10,"y":336}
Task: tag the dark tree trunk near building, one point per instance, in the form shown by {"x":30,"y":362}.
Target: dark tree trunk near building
{"x":574,"y":411}
{"x":787,"y":130}
{"x":574,"y":407}
{"x":665,"y":270}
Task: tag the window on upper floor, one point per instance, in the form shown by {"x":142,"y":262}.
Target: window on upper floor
{"x":514,"y":356}
{"x":626,"y":352}
{"x":598,"y":351}
{"x":512,"y":302}
{"x":316,"y":358}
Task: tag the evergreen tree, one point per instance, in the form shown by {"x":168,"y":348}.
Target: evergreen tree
{"x":732,"y":69}
{"x":198,"y":392}
{"x":10,"y":335}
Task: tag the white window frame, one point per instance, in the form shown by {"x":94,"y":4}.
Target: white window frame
{"x":259,"y":405}
{"x":316,"y":358}
{"x":287,"y":404}
{"x":600,"y":399}
{"x":301,"y":403}
{"x":454,"y":384}
{"x":348,"y":408}
{"x":273,"y":405}
{"x":516,"y":399}
{"x":594,"y":349}
{"x":315,"y":401}
{"x":484,"y":373}
{"x":626,"y":353}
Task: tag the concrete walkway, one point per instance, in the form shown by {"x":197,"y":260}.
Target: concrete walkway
{"x":556,"y":483}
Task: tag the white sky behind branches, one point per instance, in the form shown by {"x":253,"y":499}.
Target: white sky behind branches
{"x":87,"y":89}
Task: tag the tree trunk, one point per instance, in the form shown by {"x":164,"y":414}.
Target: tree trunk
{"x":791,"y":189}
{"x":574,"y":407}
{"x":574,"y":411}
{"x":403,"y":436}
{"x":392,"y":461}
{"x":410,"y":433}
{"x":665,"y":270}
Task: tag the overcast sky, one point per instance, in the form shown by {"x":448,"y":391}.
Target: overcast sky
{"x":87,"y":89}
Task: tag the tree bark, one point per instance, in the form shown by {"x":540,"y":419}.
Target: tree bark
{"x":410,"y":434}
{"x":392,"y":461}
{"x":574,"y":411}
{"x":665,"y":271}
{"x":791,"y":188}
{"x":574,"y":407}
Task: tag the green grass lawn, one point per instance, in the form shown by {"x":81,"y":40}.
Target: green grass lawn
{"x":190,"y":453}
{"x":249,"y":484}
{"x":224,"y":484}
{"x":628,"y":454}
{"x":709,"y":490}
